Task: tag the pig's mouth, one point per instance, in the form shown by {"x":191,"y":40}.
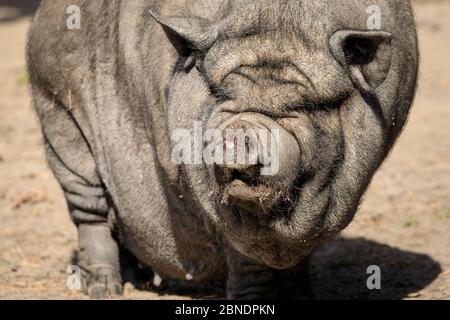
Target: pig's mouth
{"x":250,"y":208}
{"x":246,"y":192}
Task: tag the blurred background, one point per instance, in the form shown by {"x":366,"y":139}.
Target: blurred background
{"x":403,"y":225}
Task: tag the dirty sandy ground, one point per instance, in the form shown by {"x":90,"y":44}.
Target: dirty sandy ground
{"x":403,"y":225}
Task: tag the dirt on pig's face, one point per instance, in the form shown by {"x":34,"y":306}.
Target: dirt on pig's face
{"x":336,"y":93}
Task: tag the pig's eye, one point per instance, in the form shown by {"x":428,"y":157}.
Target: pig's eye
{"x":359,"y":51}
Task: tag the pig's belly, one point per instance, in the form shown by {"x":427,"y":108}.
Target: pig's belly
{"x":183,"y":250}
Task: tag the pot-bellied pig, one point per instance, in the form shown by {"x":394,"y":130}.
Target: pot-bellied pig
{"x":127,"y":93}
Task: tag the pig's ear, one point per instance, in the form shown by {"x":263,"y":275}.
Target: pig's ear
{"x":365,"y":54}
{"x":197,"y":32}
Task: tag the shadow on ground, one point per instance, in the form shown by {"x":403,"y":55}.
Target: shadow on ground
{"x":339,"y":270}
{"x":14,"y":9}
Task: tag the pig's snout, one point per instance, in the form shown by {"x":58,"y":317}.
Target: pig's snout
{"x":242,"y":150}
{"x":261,"y":161}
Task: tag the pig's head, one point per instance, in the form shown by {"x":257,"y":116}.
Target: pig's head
{"x":337,"y":93}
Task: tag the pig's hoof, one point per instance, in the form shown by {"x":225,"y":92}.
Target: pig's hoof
{"x":104,"y":282}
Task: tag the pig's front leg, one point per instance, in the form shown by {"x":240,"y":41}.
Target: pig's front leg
{"x":70,"y":158}
{"x":248,"y":280}
{"x":294,"y":283}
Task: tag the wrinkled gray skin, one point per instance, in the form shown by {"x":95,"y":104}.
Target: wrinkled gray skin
{"x":110,"y":95}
